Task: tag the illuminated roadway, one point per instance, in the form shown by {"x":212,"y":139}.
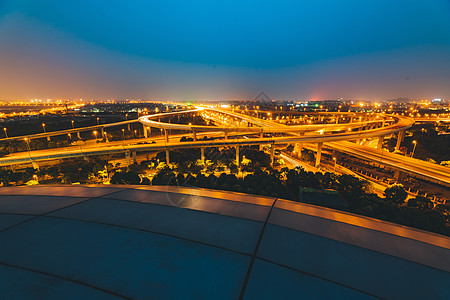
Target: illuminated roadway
{"x":333,"y":135}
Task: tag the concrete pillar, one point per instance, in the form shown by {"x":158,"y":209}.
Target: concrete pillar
{"x":298,"y":149}
{"x":145,"y":128}
{"x":261,"y":135}
{"x":226,"y":135}
{"x":237,"y":156}
{"x":272,"y":154}
{"x":380,"y":142}
{"x":134,"y":157}
{"x":202,"y":154}
{"x":319,"y":153}
{"x":337,"y":119}
{"x":400,"y":137}
{"x":195,"y":136}
{"x":127,"y":157}
{"x":166,"y":135}
{"x":128,"y":126}
{"x":167,"y":157}
{"x":35,"y":164}
{"x":103,"y":132}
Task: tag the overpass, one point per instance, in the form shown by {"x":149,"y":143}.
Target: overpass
{"x":332,"y":135}
{"x":77,"y":131}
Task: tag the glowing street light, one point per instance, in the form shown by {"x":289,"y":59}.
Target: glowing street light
{"x":98,"y":121}
{"x":43,"y":126}
{"x":95,"y":134}
{"x":5,"y":130}
{"x":123,"y":135}
{"x":72,"y":124}
{"x":334,"y":158}
{"x":414,"y":149}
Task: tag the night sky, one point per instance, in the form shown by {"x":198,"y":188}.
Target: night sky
{"x":372,"y":49}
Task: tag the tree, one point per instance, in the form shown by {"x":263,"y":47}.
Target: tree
{"x":420,"y":202}
{"x":396,"y":193}
{"x":233,"y":168}
{"x":354,"y":190}
{"x":129,"y":177}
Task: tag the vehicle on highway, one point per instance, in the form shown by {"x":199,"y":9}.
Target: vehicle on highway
{"x":186,"y":139}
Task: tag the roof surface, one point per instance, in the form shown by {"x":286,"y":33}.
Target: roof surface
{"x":92,"y":242}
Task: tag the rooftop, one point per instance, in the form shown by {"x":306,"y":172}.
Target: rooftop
{"x":106,"y":242}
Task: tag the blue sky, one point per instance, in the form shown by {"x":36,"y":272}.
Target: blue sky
{"x":224,"y":49}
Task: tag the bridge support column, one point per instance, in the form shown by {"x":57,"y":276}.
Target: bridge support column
{"x":128,"y":126}
{"x":237,"y":156}
{"x":167,"y":157}
{"x":400,"y":137}
{"x":127,"y":157}
{"x":195,"y":136}
{"x":337,"y":119}
{"x":166,"y":135}
{"x":398,"y":175}
{"x":272,"y":154}
{"x":134,"y":157}
{"x":145,"y":128}
{"x":226,"y":135}
{"x":298,"y":149}
{"x":202,"y":154}
{"x":103,"y":132}
{"x":261,"y":135}
{"x":380,"y":142}
{"x":319,"y":154}
{"x":35,"y":165}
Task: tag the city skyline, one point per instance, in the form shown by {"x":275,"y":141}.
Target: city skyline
{"x":374,"y":50}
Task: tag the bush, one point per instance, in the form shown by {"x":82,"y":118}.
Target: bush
{"x":129,"y":177}
{"x":396,"y":193}
{"x":420,"y":203}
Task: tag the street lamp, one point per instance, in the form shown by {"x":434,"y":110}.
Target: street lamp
{"x":334,"y":158}
{"x":43,"y":126}
{"x":98,"y":119}
{"x":95,"y":134}
{"x":123,"y":135}
{"x":5,"y":129}
{"x":414,"y":149}
{"x":72,"y":124}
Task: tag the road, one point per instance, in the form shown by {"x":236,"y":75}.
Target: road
{"x":429,"y":171}
{"x":336,"y":140}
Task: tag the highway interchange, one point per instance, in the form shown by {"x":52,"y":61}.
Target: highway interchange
{"x":233,"y":129}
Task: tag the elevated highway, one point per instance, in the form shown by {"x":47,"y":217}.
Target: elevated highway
{"x":331,"y":135}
